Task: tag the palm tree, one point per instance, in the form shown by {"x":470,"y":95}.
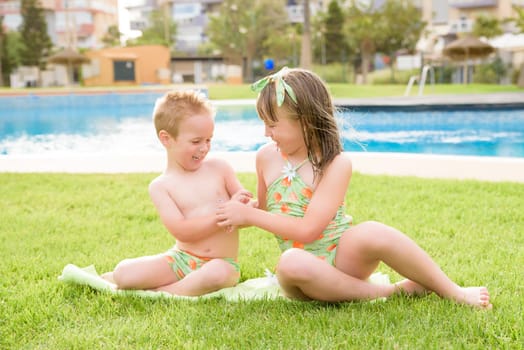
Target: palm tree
{"x":305,"y":53}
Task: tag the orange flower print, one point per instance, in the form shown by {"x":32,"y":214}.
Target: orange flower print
{"x":331,"y":247}
{"x":192,"y":264}
{"x":284,"y":209}
{"x":304,"y":208}
{"x":321,"y":236}
{"x":170,"y":259}
{"x":180,"y":274}
{"x":277,"y":197}
{"x":321,"y":257}
{"x":286,"y":182}
{"x":306,"y":192}
{"x":298,"y":245}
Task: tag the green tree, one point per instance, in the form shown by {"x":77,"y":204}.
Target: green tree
{"x":10,"y":43}
{"x":487,"y":26}
{"x":284,"y":47}
{"x":242,"y":30}
{"x":363,"y":26}
{"x":519,"y":23}
{"x":161,"y":31}
{"x":112,"y":37}
{"x":402,"y":27}
{"x":33,"y":29}
{"x":3,"y":50}
{"x":333,"y":33}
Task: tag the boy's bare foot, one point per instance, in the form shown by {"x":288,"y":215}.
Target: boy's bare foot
{"x":474,"y":296}
{"x":411,"y":288}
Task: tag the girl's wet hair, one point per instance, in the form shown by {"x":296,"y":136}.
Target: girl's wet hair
{"x":315,"y":111}
{"x":175,"y":106}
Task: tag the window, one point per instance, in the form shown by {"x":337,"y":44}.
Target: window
{"x":124,"y":70}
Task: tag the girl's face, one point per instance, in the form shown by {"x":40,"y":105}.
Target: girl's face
{"x":193,"y":142}
{"x":287,"y":134}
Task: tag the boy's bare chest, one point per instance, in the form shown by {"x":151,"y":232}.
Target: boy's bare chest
{"x":199,"y":197}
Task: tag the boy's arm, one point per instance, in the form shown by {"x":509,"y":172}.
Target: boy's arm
{"x":183,"y":229}
{"x":233,"y":186}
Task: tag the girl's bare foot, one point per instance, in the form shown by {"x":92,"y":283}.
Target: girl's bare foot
{"x":411,"y":288}
{"x":474,"y":296}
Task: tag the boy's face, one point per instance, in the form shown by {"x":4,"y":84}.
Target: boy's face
{"x":193,"y":141}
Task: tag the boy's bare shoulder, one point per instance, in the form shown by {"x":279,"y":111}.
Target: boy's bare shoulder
{"x":158,"y":183}
{"x":217,"y":164}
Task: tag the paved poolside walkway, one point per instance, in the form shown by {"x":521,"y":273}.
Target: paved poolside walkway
{"x":397,"y":164}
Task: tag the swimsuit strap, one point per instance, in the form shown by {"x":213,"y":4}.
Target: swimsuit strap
{"x":296,"y":167}
{"x":300,"y":164}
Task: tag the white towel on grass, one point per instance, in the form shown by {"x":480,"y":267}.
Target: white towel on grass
{"x":262,"y":288}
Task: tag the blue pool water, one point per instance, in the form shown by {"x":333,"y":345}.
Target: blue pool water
{"x":121,"y":123}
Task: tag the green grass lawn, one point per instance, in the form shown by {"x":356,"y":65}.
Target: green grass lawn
{"x":221,"y":91}
{"x":243,"y":91}
{"x":474,"y":230}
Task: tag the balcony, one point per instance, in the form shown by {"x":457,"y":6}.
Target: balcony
{"x":461,"y":26}
{"x":462,"y":4}
{"x":10,"y":7}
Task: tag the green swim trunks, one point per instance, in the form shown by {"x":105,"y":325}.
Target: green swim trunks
{"x":184,"y":263}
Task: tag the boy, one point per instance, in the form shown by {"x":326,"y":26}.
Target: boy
{"x":186,"y":196}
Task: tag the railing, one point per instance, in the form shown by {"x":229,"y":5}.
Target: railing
{"x":422,"y":80}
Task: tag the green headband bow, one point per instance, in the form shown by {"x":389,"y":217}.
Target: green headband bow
{"x":281,"y":86}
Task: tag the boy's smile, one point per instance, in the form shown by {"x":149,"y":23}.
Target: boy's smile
{"x":193,"y":142}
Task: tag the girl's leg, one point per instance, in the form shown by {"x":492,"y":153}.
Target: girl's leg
{"x":145,"y":272}
{"x":304,"y":276}
{"x":212,"y":276}
{"x":363,"y":246}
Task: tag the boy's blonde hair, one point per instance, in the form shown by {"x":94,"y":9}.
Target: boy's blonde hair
{"x":175,"y":106}
{"x":314,"y":109}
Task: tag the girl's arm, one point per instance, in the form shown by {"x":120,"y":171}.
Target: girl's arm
{"x":261,"y":185}
{"x":328,"y":196}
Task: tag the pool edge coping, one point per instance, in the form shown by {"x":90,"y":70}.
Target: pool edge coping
{"x":493,"y":169}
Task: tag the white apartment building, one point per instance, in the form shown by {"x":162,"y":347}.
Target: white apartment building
{"x":70,"y":23}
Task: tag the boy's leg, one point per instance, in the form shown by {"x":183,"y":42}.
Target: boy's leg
{"x":147,"y":272}
{"x":212,"y":276}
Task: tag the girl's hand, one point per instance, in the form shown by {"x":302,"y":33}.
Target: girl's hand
{"x":242,"y":196}
{"x":231,"y":213}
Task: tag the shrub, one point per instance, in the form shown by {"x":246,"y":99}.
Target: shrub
{"x":335,"y":72}
{"x":490,"y":73}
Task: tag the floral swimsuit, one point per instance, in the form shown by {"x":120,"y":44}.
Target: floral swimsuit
{"x":289,"y":195}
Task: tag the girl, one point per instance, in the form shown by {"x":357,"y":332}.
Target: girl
{"x":303,"y":176}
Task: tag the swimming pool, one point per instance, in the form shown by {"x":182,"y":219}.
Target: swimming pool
{"x":118,"y":123}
